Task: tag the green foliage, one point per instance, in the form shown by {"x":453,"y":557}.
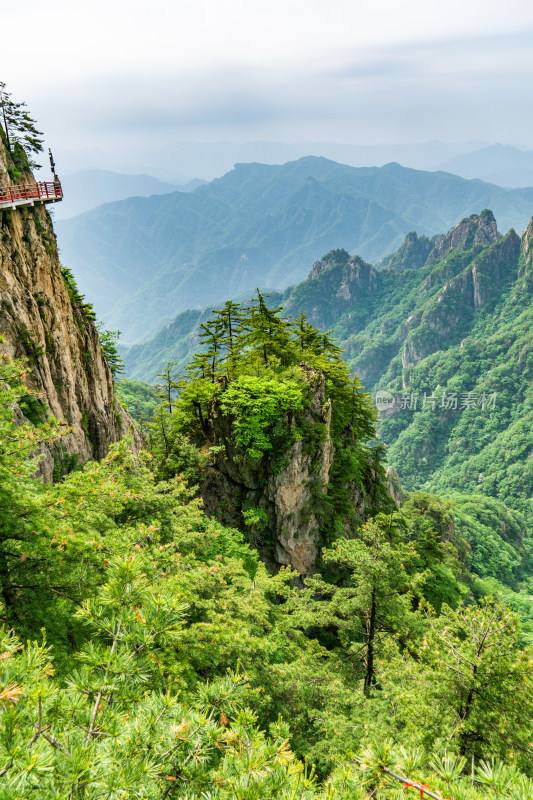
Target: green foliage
{"x":76,"y":298}
{"x":117,"y":724}
{"x":19,"y":127}
{"x":153,"y":656}
{"x":108,"y":341}
{"x":140,"y":399}
{"x":33,"y":351}
{"x":496,"y":538}
{"x":483,"y":691}
{"x":258,"y":406}
{"x":366,"y":592}
{"x":442,"y":552}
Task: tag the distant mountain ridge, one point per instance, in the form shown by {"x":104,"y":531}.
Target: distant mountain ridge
{"x":143,"y":260}
{"x":90,"y":188}
{"x":503,"y":165}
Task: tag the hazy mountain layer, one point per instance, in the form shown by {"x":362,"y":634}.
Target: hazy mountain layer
{"x":501,"y":164}
{"x":143,"y":260}
{"x":90,"y":188}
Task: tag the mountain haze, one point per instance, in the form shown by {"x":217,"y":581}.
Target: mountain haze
{"x":501,"y":164}
{"x":90,"y":188}
{"x":143,"y":260}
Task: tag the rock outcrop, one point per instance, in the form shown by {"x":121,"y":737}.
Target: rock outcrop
{"x":41,"y":321}
{"x":286,"y":529}
{"x":413,"y":253}
{"x":394,"y":486}
{"x":336,"y":283}
{"x":478,"y":229}
{"x":450,"y":312}
{"x":526,"y":255}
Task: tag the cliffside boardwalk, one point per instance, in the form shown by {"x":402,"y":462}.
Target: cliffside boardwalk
{"x":30,"y":193}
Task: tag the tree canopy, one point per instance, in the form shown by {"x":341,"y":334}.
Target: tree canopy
{"x":146,"y":651}
{"x":19,"y":127}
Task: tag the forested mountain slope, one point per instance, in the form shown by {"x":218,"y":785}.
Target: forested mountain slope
{"x":143,"y":260}
{"x":304,"y":638}
{"x":147,"y":651}
{"x":458,"y":326}
{"x":450,"y":319}
{"x":252,"y":609}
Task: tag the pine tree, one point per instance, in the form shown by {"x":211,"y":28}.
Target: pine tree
{"x":19,"y":126}
{"x":482,"y":679}
{"x":167,"y":389}
{"x":269,"y":332}
{"x":308,"y":337}
{"x":234,"y":324}
{"x":108,"y":341}
{"x":212,"y":335}
{"x":369,"y":596}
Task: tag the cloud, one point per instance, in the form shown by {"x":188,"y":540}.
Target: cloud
{"x":452,"y":88}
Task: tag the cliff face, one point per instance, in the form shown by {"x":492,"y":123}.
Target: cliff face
{"x":451,"y":311}
{"x":526,"y":256}
{"x":286,"y":530}
{"x":474,"y":230}
{"x":40,"y":321}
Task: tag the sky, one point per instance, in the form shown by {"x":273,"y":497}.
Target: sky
{"x":130,"y":83}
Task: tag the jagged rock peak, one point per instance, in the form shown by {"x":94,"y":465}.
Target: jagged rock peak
{"x":478,"y":229}
{"x":42,"y":319}
{"x":412,"y":254}
{"x":526,"y":251}
{"x":335,"y":258}
{"x":346,"y":277}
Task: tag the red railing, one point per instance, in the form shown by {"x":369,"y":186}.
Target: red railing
{"x":42,"y":190}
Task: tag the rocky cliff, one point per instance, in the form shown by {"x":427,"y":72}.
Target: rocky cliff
{"x":41,"y":320}
{"x":336,"y":284}
{"x":279,"y":501}
{"x":451,"y":311}
{"x":283,"y":524}
{"x":473,"y":230}
{"x":420,"y":251}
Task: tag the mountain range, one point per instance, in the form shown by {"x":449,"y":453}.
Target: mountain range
{"x":443,"y":331}
{"x":500,"y":164}
{"x":178,"y":163}
{"x":143,"y":260}
{"x":90,"y":188}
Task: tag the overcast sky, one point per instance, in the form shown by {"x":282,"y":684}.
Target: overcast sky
{"x":134,"y":77}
